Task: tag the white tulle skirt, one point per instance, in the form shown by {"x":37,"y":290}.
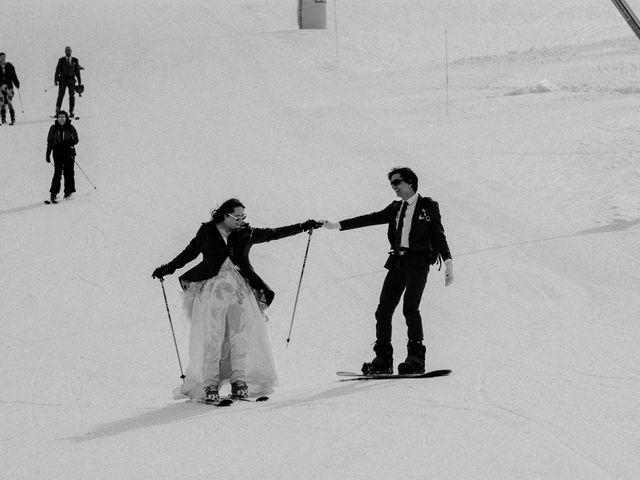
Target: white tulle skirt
{"x":228,"y":337}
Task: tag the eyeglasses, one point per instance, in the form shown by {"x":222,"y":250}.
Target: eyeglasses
{"x":237,"y":217}
{"x":396,"y":182}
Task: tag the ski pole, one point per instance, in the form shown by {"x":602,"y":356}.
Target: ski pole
{"x":20,"y":97}
{"x":49,"y":88}
{"x":173,"y":333}
{"x":295,"y":305}
{"x":94,"y":187}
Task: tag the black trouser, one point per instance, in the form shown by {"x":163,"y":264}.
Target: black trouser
{"x":6,"y":95}
{"x":64,"y":84}
{"x":402,"y":276}
{"x":63,"y":165}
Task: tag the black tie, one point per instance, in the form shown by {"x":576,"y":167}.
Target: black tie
{"x":403,"y":211}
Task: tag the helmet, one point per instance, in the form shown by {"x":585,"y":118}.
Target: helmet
{"x":79,"y":89}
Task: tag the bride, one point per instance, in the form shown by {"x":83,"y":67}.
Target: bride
{"x":225,"y":300}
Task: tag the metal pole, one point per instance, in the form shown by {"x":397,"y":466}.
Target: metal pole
{"x":446,"y":63}
{"x":173,"y":333}
{"x":94,"y":187}
{"x":295,"y":305}
{"x":20,"y":97}
{"x":335,"y":20}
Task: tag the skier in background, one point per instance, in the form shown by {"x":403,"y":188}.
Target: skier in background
{"x":61,"y":141}
{"x":417,"y":241}
{"x":225,"y":300}
{"x":67,"y":70}
{"x":8,"y":79}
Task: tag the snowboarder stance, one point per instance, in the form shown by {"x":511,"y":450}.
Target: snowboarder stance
{"x":8,"y":79}
{"x":417,"y":241}
{"x":67,"y":70}
{"x":61,"y":141}
{"x":226,"y":299}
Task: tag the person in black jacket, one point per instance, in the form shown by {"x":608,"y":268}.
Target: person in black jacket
{"x":61,"y":141}
{"x":8,"y":79}
{"x":67,"y":70}
{"x":228,"y":340}
{"x":417,"y":240}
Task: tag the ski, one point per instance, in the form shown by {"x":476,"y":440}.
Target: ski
{"x":250,"y":399}
{"x":223,"y":402}
{"x":49,"y":202}
{"x":391,"y":376}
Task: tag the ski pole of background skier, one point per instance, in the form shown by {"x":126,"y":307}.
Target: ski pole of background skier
{"x":87,"y":177}
{"x":173,"y":333}
{"x":295,"y":305}
{"x":20,"y":97}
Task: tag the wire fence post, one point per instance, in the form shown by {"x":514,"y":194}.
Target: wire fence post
{"x":335,"y":21}
{"x":446,"y":66}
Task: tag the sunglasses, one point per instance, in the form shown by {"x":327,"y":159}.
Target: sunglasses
{"x":237,"y":217}
{"x":396,"y":182}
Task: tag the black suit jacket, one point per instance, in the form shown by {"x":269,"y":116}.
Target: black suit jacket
{"x":9,"y":77}
{"x":209,"y":242}
{"x":427,"y":240}
{"x":64,"y":70}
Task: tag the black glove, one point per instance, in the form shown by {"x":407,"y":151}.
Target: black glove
{"x":310,"y":225}
{"x":162,"y":271}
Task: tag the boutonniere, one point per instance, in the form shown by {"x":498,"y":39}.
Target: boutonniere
{"x":423,"y":216}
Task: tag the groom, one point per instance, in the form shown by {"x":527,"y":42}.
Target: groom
{"x":417,"y":240}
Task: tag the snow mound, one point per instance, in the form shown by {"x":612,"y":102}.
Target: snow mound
{"x":542,"y":87}
{"x":628,"y":90}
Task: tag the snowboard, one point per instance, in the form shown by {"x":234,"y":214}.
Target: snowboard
{"x":392,"y":376}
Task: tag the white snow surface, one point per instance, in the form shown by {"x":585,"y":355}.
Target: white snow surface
{"x":530,"y":146}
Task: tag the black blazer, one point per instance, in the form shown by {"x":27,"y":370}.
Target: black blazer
{"x":209,"y":242}
{"x":9,"y":77}
{"x":427,"y":240}
{"x":64,"y":70}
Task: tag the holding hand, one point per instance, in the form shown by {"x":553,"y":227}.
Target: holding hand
{"x":48,"y":159}
{"x":310,"y":225}
{"x":331,"y":225}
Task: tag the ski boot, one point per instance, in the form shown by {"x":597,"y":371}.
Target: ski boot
{"x":414,"y":362}
{"x":53,"y":198}
{"x":239,"y":389}
{"x":383,"y":361}
{"x":211,"y":394}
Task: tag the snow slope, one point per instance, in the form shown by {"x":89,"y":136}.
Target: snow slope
{"x":532,"y":157}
